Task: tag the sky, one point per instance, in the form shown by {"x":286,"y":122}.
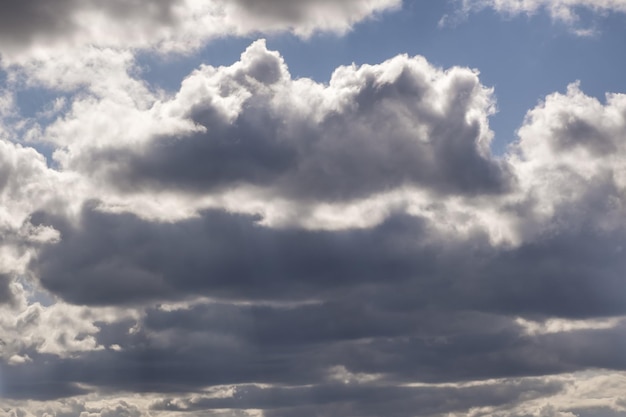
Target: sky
{"x":274,"y":208}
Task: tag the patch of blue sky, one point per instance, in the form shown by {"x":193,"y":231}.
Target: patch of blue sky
{"x":3,"y":78}
{"x":37,"y":102}
{"x":523,"y":57}
{"x":37,"y":108}
{"x":34,"y":294}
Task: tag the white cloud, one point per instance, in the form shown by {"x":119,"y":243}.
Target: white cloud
{"x":565,"y":11}
{"x":571,"y":161}
{"x":251,"y":136}
{"x":26,"y":185}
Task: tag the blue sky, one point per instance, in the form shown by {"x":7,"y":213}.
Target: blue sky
{"x":270,"y":208}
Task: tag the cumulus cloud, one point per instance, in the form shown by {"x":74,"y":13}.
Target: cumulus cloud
{"x":35,"y":29}
{"x":26,"y":184}
{"x":570,"y":159}
{"x":375,"y":308}
{"x":251,"y":126}
{"x":373,"y":129}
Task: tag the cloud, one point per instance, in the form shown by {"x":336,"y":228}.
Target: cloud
{"x":373,"y":129}
{"x":220,"y":254}
{"x":570,"y":158}
{"x":410,"y":301}
{"x":340,"y":319}
{"x":166,"y":354}
{"x":230,"y":256}
{"x":34,"y":29}
{"x":565,"y":11}
{"x":564,"y":214}
{"x":364,"y":400}
{"x":6,"y":294}
{"x":73,"y":407}
{"x":26,"y":184}
{"x":303,"y":17}
{"x":189,"y":351}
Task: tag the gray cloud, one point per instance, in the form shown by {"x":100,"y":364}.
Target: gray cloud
{"x":424,"y":296}
{"x":25,"y":23}
{"x":186,"y":351}
{"x":366,"y":399}
{"x":373,"y":129}
{"x":400,"y":300}
{"x":28,"y":385}
{"x":219,"y":254}
{"x":6,"y":295}
{"x":30,"y":27}
{"x":120,"y":258}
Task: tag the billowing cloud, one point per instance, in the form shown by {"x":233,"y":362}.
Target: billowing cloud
{"x":144,"y":272}
{"x":373,"y":129}
{"x":340,"y":319}
{"x":570,"y":158}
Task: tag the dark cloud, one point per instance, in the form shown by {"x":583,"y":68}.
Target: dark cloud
{"x":180,"y":352}
{"x":366,"y":399}
{"x":336,"y":322}
{"x":110,"y":259}
{"x":6,"y":294}
{"x":27,"y":22}
{"x":74,"y":407}
{"x":120,"y":258}
{"x":485,"y":354}
{"x":409,"y":346}
{"x":397,"y":300}
{"x":30,"y":384}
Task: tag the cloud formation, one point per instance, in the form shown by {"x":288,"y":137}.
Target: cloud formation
{"x":401,"y":301}
{"x":255,"y":243}
{"x":373,"y":129}
{"x":34,"y":28}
